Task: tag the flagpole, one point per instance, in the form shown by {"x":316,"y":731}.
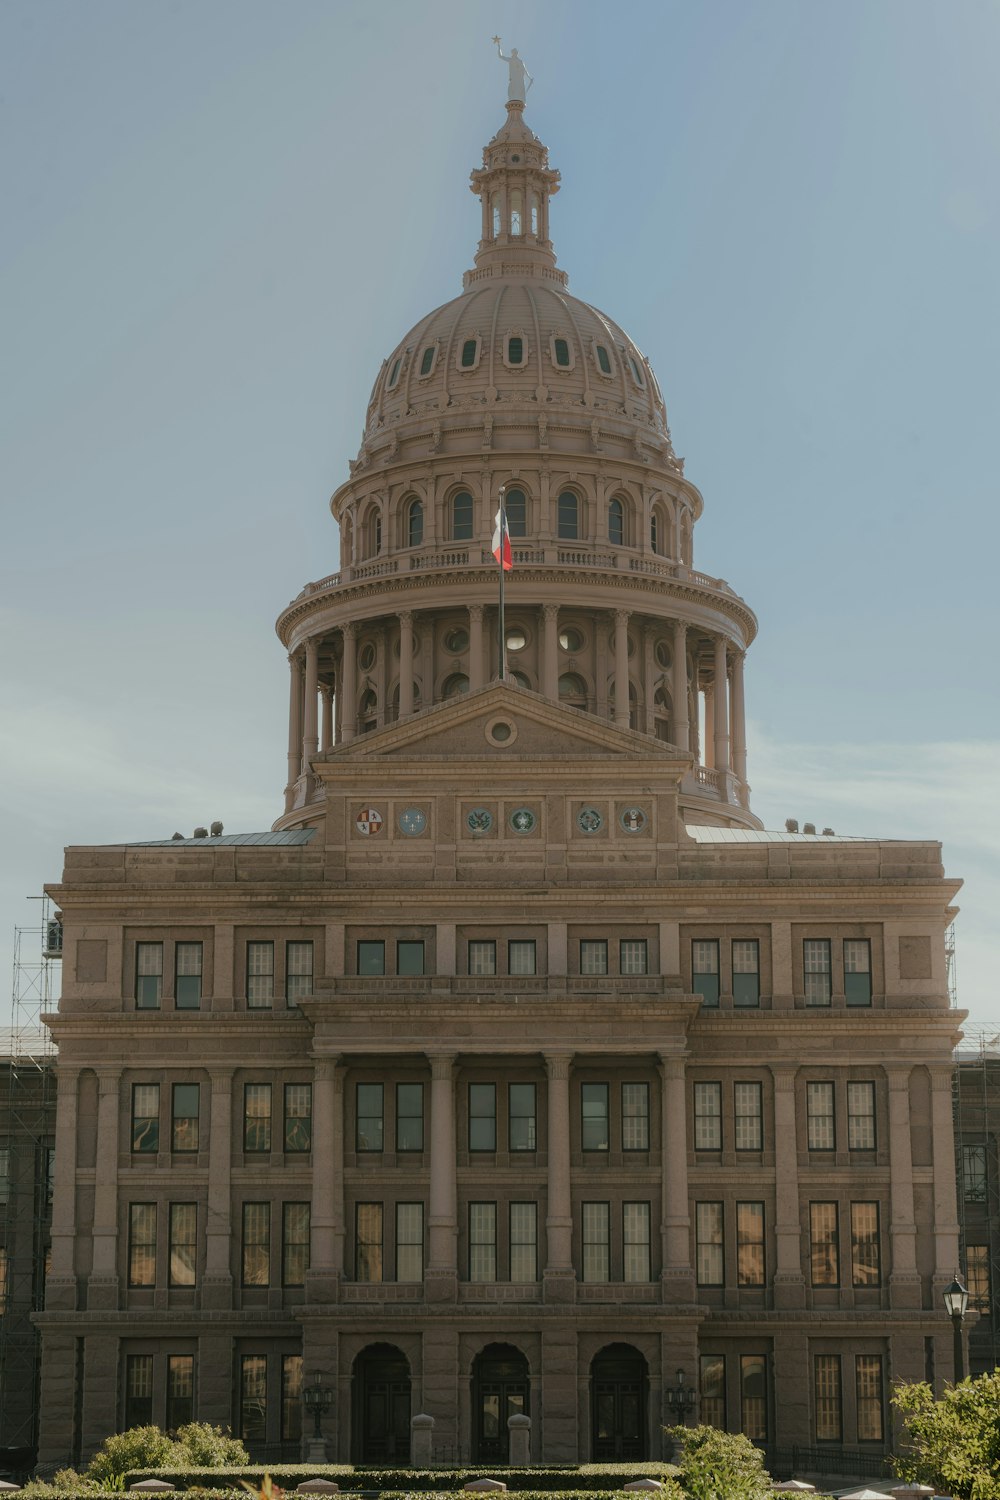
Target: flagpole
{"x":502,"y":632}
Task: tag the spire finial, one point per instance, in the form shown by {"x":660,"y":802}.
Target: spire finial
{"x":519,"y":80}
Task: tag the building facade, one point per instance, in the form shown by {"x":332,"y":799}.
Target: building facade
{"x":517,"y":1068}
{"x":977,"y":1118}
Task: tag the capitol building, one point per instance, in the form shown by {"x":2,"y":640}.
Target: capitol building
{"x":517,"y":1068}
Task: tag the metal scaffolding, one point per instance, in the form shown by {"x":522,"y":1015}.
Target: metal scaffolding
{"x":977,"y":1134}
{"x":27,"y":1110}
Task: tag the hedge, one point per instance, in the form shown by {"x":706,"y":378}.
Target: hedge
{"x":571,"y":1479}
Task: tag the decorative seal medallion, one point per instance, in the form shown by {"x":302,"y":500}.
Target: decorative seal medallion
{"x":633,"y":819}
{"x":522,"y":820}
{"x":589,"y":820}
{"x":368,"y":820}
{"x":412,"y":821}
{"x":479,"y":820}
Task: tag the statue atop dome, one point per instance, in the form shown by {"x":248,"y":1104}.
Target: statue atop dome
{"x":519,"y":80}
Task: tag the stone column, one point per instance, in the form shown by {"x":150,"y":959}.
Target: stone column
{"x":648,"y":681}
{"x":677,"y":1276}
{"x":550,"y":651}
{"x":327,"y":731}
{"x":294,"y":726}
{"x":904,"y":1279}
{"x":708,"y":748}
{"x":789,"y":1281}
{"x":441,"y":1278}
{"x":326,"y":1259}
{"x":681,"y":729}
{"x":102,"y":1289}
{"x":349,"y":684}
{"x":217,"y":1289}
{"x":720,"y":705}
{"x":405,"y":663}
{"x":476,"y":678}
{"x":739,"y":719}
{"x":621,"y":668}
{"x":560,"y":1277}
{"x":310,"y":734}
{"x":60,"y":1285}
{"x":946,"y":1227}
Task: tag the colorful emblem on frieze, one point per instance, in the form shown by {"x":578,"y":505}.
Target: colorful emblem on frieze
{"x":479,"y":820}
{"x":522,"y":820}
{"x":368,"y":821}
{"x":589,"y":820}
{"x":633,"y":819}
{"x":412,"y":821}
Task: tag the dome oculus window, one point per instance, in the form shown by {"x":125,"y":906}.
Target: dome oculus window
{"x":415,"y":523}
{"x":663,"y":653}
{"x":469,"y":357}
{"x":427,"y":359}
{"x":568,"y":517}
{"x":517,"y":513}
{"x":366,"y":657}
{"x":603,"y":359}
{"x":461,"y":517}
{"x":456,"y":640}
{"x":616,"y":523}
{"x":561,"y":354}
{"x":515,"y":350}
{"x":571,"y":639}
{"x":516,"y":639}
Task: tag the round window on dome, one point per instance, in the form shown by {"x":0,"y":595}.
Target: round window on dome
{"x":662,"y":652}
{"x":366,"y":657}
{"x":516,"y":639}
{"x":571,"y":639}
{"x":456,"y":640}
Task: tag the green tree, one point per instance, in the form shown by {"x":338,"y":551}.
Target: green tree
{"x":206,"y":1447}
{"x":139,"y":1448}
{"x":954,"y":1442}
{"x":718,"y":1465}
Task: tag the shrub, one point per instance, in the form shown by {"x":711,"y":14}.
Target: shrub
{"x":718,"y":1465}
{"x":208,"y":1447}
{"x":956,"y":1441}
{"x":139,"y":1448}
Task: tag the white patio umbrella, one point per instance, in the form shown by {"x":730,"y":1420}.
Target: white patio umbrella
{"x":794,"y":1487}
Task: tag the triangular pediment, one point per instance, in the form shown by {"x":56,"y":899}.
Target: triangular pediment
{"x":467,"y":728}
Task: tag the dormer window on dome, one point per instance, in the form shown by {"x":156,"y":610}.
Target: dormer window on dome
{"x":427,"y":360}
{"x":468,"y":358}
{"x":514,"y":354}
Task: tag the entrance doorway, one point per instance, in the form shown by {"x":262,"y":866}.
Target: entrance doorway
{"x":619,"y":1391}
{"x":500,"y":1384}
{"x":380,"y":1406}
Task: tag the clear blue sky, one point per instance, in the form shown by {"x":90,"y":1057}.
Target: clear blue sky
{"x":218,"y":219}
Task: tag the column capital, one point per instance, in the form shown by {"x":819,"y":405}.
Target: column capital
{"x":622,"y":616}
{"x":680,"y":627}
{"x":222,"y":1080}
{"x":783,"y":1077}
{"x":405,"y":615}
{"x":558,"y":1064}
{"x":349,"y":630}
{"x":296,"y":661}
{"x":475,"y":612}
{"x":550,"y":612}
{"x":672,"y":1064}
{"x":941,"y":1077}
{"x":897,"y":1077}
{"x":327,"y":1067}
{"x":108,"y":1079}
{"x":442,"y":1064}
{"x":312,"y":647}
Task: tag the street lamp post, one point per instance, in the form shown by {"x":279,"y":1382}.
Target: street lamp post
{"x":317,"y":1398}
{"x":681,"y":1399}
{"x":956,"y":1300}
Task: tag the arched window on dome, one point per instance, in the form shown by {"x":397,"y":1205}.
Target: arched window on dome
{"x":368,"y":711}
{"x":603,"y":359}
{"x":633,"y":365}
{"x":573,"y":690}
{"x":516,"y":212}
{"x":662,"y":713}
{"x":394,"y":373}
{"x":616,"y":523}
{"x":633,"y":703}
{"x":371,"y":532}
{"x":560,"y":353}
{"x":469,"y":356}
{"x":495,"y":214}
{"x":520,"y":679}
{"x":427,"y":360}
{"x":655,"y":531}
{"x":414,"y":523}
{"x":461,"y":517}
{"x":455,"y":685}
{"x":533,"y":199}
{"x":515,"y":350}
{"x":517,"y":513}
{"x":568,"y":513}
{"x":395,"y":699}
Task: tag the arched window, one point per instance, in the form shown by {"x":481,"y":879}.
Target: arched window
{"x":661,"y":714}
{"x":461,"y":517}
{"x":516,"y":214}
{"x":470,"y":353}
{"x":427,"y":360}
{"x":569,"y":516}
{"x":636,"y":372}
{"x":415,"y":523}
{"x":517,"y":512}
{"x":603,"y":360}
{"x":455,"y":685}
{"x":515,"y":350}
{"x":658,"y":531}
{"x":534,"y":213}
{"x":560,"y":349}
{"x":378,"y":535}
{"x":572,"y":690}
{"x":616,"y":523}
{"x":654,"y":532}
{"x":368,"y":712}
{"x":394,"y":372}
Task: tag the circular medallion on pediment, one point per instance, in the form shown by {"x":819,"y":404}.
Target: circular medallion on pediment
{"x":479,"y":820}
{"x":369,"y":820}
{"x":523,"y":820}
{"x":412,"y":821}
{"x":589,"y":820}
{"x":633,"y":819}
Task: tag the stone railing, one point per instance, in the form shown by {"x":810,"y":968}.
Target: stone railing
{"x":382,"y":1291}
{"x":617,"y":1291}
{"x":499,"y":1291}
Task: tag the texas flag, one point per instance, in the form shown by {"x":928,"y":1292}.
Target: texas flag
{"x":501,"y":542}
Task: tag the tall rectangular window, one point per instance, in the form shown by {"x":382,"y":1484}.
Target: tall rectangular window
{"x":861,"y":1116}
{"x":521,"y":956}
{"x":138,"y":1390}
{"x":142,"y":1244}
{"x":409,"y":1242}
{"x":524,"y":1241}
{"x":371,"y":957}
{"x":750,"y":1244}
{"x":3,"y":1278}
{"x":298,"y":1117}
{"x":977,"y":1276}
{"x":705,"y":970}
{"x":821,"y":1133}
{"x":253,"y":1398}
{"x":521,"y":1118}
{"x":180,"y":1391}
{"x":145,"y":1118}
{"x":409,"y":1117}
{"x":148,"y":975}
{"x":746,"y":971}
{"x":187,"y":976}
{"x":595,"y":1131}
{"x":256,"y":1117}
{"x":482,"y":956}
{"x":749,"y":1106}
{"x":368,"y":1241}
{"x":593,"y":956}
{"x":708,"y":1117}
{"x":5,"y":1174}
{"x":753,"y":1397}
{"x":298,"y":970}
{"x":482,"y":1117}
{"x":974,"y":1174}
{"x":260,"y":975}
{"x":482,"y":1242}
{"x":185,"y":1112}
{"x":816,"y":969}
{"x":829,"y":1418}
{"x":709,"y":1251}
{"x":182,"y":1245}
{"x":866,"y":1267}
{"x":633,"y":956}
{"x":824,"y":1244}
{"x":857,"y":971}
{"x":596,"y":1241}
{"x":291,"y":1398}
{"x":256,"y":1250}
{"x":636,"y":1258}
{"x":370,"y":1117}
{"x":294,"y":1243}
{"x":712,"y":1391}
{"x":868,"y":1393}
{"x":409,"y":957}
{"x":635,"y":1116}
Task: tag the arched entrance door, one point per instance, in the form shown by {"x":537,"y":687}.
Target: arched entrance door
{"x":619,"y":1391}
{"x":380,"y":1406}
{"x":499,"y":1392}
